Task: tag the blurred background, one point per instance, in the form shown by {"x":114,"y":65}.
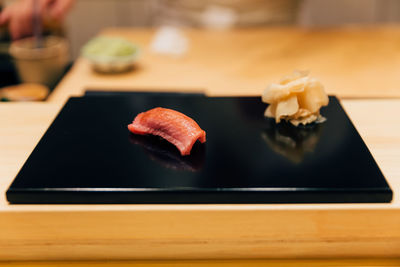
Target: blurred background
{"x":142,"y":13}
{"x":88,"y":17}
{"x":84,"y":19}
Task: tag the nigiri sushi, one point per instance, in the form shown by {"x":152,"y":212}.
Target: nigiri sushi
{"x":175,"y":127}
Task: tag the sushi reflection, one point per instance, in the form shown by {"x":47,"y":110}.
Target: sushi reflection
{"x":166,"y":154}
{"x":290,"y":141}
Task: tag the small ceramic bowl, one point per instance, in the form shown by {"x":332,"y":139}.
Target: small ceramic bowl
{"x":110,"y":54}
{"x":43,"y":65}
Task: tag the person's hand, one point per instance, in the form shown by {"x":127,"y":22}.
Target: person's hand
{"x":19,"y":15}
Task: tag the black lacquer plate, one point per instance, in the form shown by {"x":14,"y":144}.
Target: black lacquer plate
{"x":88,"y":156}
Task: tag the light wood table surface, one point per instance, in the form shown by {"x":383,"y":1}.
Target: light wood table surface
{"x":351,"y":62}
{"x":126,"y":232}
{"x":83,"y":232}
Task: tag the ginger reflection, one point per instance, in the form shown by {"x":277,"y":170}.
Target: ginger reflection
{"x":166,"y":154}
{"x":290,"y":141}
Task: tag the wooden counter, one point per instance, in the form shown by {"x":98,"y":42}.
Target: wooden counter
{"x":80,"y":232}
{"x":351,"y":62}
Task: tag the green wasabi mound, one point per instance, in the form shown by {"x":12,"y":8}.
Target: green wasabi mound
{"x":108,"y":47}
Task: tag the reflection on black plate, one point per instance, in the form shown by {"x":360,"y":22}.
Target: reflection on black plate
{"x":166,"y":154}
{"x":291,"y":141}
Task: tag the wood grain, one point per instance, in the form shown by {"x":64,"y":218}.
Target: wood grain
{"x":126,"y":232}
{"x":213,"y":263}
{"x":351,"y":62}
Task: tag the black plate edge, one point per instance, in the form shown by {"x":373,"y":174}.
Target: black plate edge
{"x":100,"y":93}
{"x":291,"y":197}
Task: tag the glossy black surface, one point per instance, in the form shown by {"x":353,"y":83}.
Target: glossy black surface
{"x":89,"y":156}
